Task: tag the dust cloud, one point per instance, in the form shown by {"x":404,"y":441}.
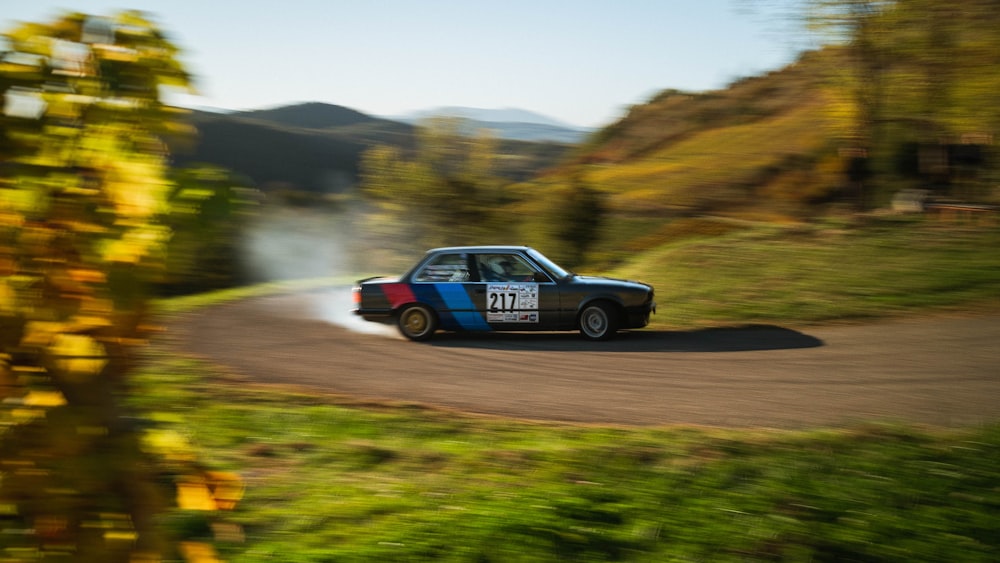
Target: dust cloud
{"x":334,"y":306}
{"x":285,"y":244}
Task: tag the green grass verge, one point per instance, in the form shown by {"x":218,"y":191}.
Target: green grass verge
{"x":889,"y":267}
{"x":334,"y":482}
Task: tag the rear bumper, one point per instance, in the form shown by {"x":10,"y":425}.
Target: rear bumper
{"x":374,"y":315}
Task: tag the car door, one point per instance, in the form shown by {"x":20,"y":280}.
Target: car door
{"x":514,"y":294}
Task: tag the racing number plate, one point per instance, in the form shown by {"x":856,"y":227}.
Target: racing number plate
{"x":512,"y":303}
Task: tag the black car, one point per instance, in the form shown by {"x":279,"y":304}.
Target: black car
{"x":501,"y":288}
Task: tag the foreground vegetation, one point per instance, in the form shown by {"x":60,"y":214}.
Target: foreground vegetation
{"x":328,"y":480}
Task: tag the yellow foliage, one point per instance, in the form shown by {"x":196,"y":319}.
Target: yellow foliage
{"x":135,"y":245}
{"x":44,"y":399}
{"x":168,"y":444}
{"x":39,"y":334}
{"x":78,"y":356}
{"x":83,"y":323}
{"x":23,"y":416}
{"x":194,"y":495}
{"x":8,"y":299}
{"x":215,"y":490}
{"x":226,"y":487}
{"x":87,"y":275}
{"x":197,"y":552}
{"x":137,"y":189}
{"x":86,"y":207}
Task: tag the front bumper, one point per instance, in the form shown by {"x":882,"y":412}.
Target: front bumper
{"x":638,"y":317}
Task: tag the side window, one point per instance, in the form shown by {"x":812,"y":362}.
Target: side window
{"x":445,"y":268}
{"x":504,"y":267}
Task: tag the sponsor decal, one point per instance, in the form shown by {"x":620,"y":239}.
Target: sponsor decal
{"x":512,"y":303}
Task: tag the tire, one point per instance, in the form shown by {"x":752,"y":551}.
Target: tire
{"x":598,"y":321}
{"x":417,"y":322}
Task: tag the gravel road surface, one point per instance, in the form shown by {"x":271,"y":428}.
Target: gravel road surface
{"x":942,"y":370}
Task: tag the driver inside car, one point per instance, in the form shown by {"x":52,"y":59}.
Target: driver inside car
{"x":500,"y":268}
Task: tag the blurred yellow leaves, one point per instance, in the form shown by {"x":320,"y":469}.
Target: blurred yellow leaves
{"x":214,"y":490}
{"x":226,"y":487}
{"x":78,"y":356}
{"x":43,"y":399}
{"x":198,"y":552}
{"x":135,"y":245}
{"x":168,"y":444}
{"x":83,"y":199}
{"x":137,"y":188}
{"x":194,"y":496}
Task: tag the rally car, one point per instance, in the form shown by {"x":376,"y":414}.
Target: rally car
{"x":501,"y":288}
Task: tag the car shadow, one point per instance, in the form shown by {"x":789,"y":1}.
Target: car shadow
{"x":721,"y":339}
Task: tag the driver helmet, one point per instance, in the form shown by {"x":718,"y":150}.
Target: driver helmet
{"x":500,"y":265}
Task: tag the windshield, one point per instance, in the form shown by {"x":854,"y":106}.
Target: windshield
{"x":548,"y":265}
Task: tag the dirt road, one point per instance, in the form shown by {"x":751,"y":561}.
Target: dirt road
{"x":942,"y":371}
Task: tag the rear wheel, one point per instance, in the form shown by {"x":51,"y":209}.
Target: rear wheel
{"x":417,"y":322}
{"x":599,"y":321}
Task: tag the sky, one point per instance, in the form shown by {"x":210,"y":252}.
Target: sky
{"x":581,"y":62}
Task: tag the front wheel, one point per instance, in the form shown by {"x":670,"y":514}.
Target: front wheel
{"x":417,"y":322}
{"x":598,"y":322}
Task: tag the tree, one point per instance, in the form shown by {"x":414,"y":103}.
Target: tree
{"x":209,"y":207}
{"x":445,"y":194}
{"x":919,"y":77}
{"x":577,"y":215}
{"x":83,"y":193}
{"x":861,"y":27}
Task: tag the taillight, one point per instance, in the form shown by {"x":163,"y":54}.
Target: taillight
{"x":356,"y":295}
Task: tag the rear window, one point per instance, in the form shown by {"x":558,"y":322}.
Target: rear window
{"x":445,"y":268}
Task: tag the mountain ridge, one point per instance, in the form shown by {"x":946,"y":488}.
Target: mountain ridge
{"x":498,"y":115}
{"x":317,"y":147}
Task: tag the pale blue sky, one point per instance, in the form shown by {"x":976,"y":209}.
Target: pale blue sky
{"x":583,"y":62}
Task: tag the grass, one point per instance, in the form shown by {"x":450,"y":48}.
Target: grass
{"x":332,"y":482}
{"x":892,"y":266}
{"x":328,"y":480}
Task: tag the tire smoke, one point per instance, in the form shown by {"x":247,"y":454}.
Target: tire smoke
{"x":285,"y":244}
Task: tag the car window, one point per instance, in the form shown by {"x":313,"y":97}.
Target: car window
{"x":504,"y":267}
{"x":445,"y":268}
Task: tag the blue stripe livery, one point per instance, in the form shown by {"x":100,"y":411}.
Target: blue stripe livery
{"x":461,"y":307}
{"x":453,"y":305}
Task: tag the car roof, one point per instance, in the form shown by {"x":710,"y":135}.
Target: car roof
{"x":482,"y":248}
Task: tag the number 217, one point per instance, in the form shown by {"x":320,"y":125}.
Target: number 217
{"x":503,"y":301}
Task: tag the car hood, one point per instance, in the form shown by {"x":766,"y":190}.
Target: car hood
{"x":599,"y":280}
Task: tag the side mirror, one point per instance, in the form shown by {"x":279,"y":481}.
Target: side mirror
{"x":541,"y":278}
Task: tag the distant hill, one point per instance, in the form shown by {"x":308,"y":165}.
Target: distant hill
{"x":317,"y":147}
{"x":313,"y":115}
{"x":275,"y":157}
{"x":503,"y":115}
{"x":508,"y":123}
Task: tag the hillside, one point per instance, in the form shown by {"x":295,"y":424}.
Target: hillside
{"x":763,"y":143}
